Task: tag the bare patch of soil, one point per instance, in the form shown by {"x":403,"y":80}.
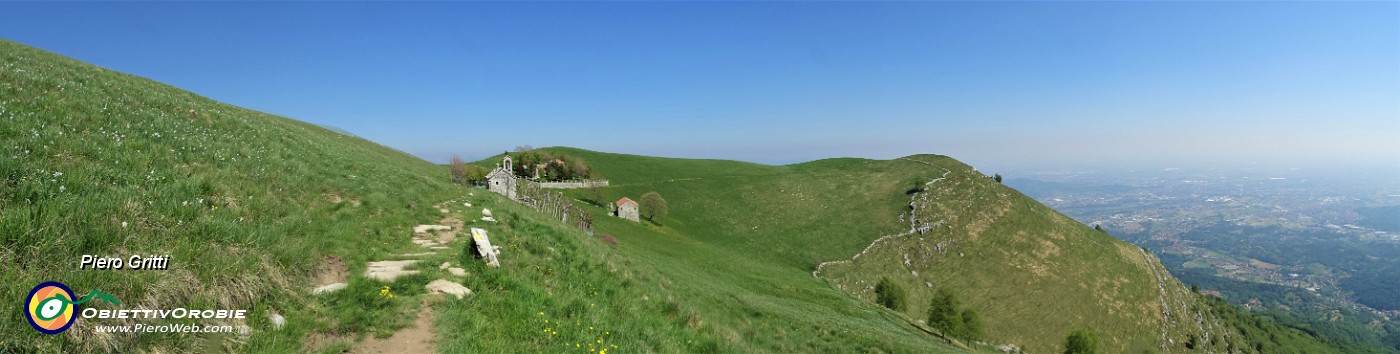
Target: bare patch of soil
{"x":332,"y":270}
{"x":416,"y":339}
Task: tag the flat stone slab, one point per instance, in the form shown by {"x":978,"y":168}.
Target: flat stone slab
{"x":423,"y":229}
{"x":457,"y":271}
{"x":484,"y":248}
{"x":420,"y":254}
{"x":329,"y":288}
{"x":444,"y":286}
{"x":388,"y":270}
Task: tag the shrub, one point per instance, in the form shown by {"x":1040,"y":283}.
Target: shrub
{"x":889,"y":294}
{"x":972,"y":325}
{"x":1082,"y":341}
{"x":943,"y":312}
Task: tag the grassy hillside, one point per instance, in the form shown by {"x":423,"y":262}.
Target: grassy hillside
{"x":1032,"y":273}
{"x":1012,"y":258}
{"x":248,"y":205}
{"x":254,"y":210}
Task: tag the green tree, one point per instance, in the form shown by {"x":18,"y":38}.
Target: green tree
{"x":943,"y":312}
{"x":579,"y":169}
{"x":599,"y":194}
{"x":997,"y":178}
{"x":556,"y":171}
{"x":475,"y":175}
{"x":652,"y":206}
{"x":972,"y":325}
{"x":1082,"y":341}
{"x":889,"y":294}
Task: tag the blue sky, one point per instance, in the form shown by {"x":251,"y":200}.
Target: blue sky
{"x":1000,"y":85}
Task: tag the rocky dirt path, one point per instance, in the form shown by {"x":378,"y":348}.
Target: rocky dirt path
{"x":420,"y":337}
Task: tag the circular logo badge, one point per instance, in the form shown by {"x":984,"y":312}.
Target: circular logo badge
{"x":49,"y":307}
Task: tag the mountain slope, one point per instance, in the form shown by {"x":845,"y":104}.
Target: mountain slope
{"x":255,"y":210}
{"x":247,"y":205}
{"x":1032,"y":273}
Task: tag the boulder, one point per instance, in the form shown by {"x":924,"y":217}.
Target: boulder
{"x":277,"y":320}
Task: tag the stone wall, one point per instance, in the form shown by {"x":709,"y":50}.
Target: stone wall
{"x":574,"y":184}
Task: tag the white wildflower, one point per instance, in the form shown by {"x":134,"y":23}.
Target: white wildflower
{"x":62,"y":188}
{"x":123,"y":224}
{"x":57,"y":174}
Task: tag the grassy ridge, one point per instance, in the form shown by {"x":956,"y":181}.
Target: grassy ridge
{"x":251,"y":206}
{"x":1031,"y":272}
{"x":746,"y":295}
{"x":769,"y":211}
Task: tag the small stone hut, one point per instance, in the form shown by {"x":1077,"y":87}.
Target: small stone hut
{"x":625,"y":208}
